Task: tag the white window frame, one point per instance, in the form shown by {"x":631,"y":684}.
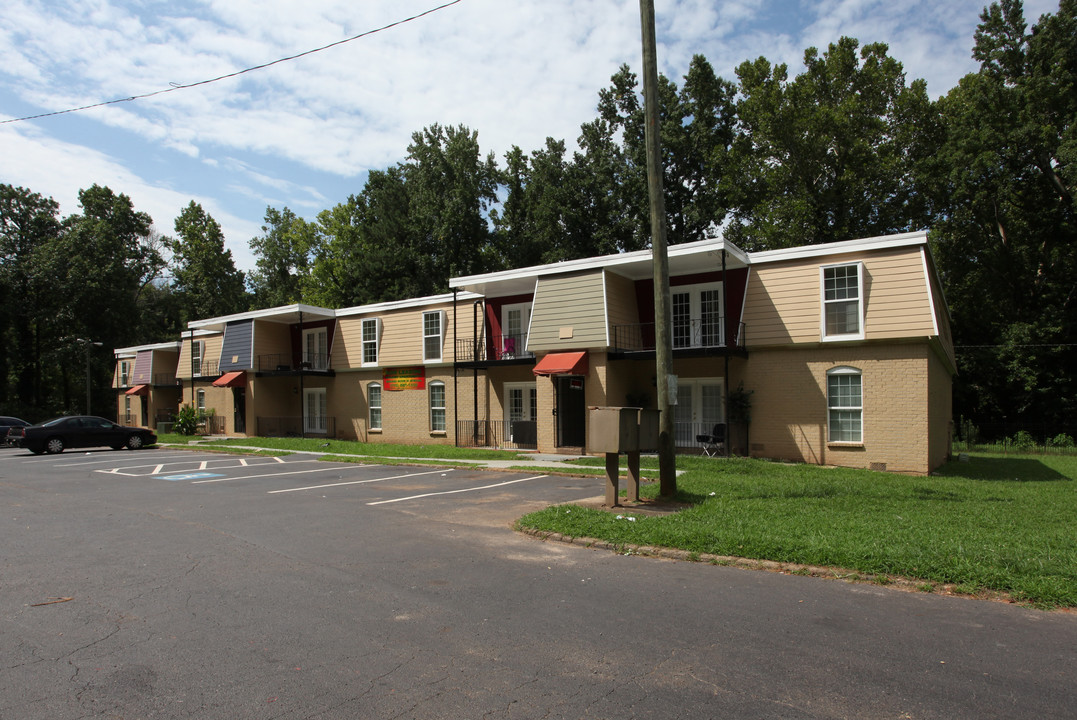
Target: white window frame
{"x":125,"y":373}
{"x":200,"y":400}
{"x":198,"y":351}
{"x":313,"y":424}
{"x":370,"y":388}
{"x":438,"y":415}
{"x":846,"y":411}
{"x":375,"y":343}
{"x":824,"y":303}
{"x":318,"y":358}
{"x":525,"y":329}
{"x":127,"y":408}
{"x":695,"y":313}
{"x":528,"y":405}
{"x":440,"y":335}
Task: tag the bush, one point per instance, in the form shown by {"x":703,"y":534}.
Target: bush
{"x":1062,"y":440}
{"x":186,"y":421}
{"x":1023,"y":440}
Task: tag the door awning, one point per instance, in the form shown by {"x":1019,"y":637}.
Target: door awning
{"x":232,"y":379}
{"x":566,"y":363}
{"x":139,"y":390}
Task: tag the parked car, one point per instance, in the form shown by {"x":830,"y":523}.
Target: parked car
{"x":6,"y":423}
{"x":81,"y":431}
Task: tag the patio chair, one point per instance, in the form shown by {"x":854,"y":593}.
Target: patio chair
{"x":509,"y":349}
{"x":713,"y":444}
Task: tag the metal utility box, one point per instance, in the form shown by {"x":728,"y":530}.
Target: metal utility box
{"x":613,"y":430}
{"x":648,"y":430}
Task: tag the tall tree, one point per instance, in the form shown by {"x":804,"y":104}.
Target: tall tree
{"x":831,"y":154}
{"x":282,"y":262}
{"x":203,"y":272}
{"x":1007,"y":232}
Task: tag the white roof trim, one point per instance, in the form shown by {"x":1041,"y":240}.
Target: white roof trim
{"x":135,"y":349}
{"x":262,"y":314}
{"x":698,"y":247}
{"x":404,"y":304}
{"x":801,"y":252}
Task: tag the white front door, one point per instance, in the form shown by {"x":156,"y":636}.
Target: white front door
{"x":699,"y":409}
{"x":316,"y":348}
{"x":314,"y":411}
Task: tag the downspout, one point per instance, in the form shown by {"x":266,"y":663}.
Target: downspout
{"x":725,"y":341}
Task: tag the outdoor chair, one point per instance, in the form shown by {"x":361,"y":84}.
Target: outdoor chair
{"x":713,"y":444}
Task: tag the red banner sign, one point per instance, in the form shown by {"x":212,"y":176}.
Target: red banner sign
{"x":404,"y":378}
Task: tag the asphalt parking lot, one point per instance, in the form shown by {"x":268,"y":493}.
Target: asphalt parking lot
{"x":173,"y":584}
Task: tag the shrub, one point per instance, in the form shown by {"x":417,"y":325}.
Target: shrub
{"x":186,"y":421}
{"x":1062,"y":440}
{"x":1023,"y":440}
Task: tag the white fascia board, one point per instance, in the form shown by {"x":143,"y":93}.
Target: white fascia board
{"x":135,"y":349}
{"x":637,"y":257}
{"x":405,"y":304}
{"x":802,"y":252}
{"x":283,"y":312}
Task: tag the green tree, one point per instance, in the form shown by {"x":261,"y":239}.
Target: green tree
{"x":830,"y":155}
{"x":203,"y":272}
{"x":1006,"y":238}
{"x":282,"y":258}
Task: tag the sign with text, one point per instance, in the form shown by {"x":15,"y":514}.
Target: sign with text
{"x":404,"y":378}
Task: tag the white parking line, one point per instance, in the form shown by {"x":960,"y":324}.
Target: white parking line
{"x":356,"y":482}
{"x":225,"y":463}
{"x":453,"y":492}
{"x":110,"y":459}
{"x":265,"y":475}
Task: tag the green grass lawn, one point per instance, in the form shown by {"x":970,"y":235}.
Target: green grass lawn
{"x":995,"y":524}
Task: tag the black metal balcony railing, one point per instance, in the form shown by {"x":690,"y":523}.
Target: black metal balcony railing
{"x":493,"y":348}
{"x":686,"y":335}
{"x":519,"y":434}
{"x":296,"y":426}
{"x":288,"y":362}
{"x":166,"y":380}
{"x":209,"y":367}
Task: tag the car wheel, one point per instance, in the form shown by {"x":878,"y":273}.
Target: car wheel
{"x":54,"y":445}
{"x":134,"y":442}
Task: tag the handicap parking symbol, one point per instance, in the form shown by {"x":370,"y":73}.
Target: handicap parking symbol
{"x":188,"y":476}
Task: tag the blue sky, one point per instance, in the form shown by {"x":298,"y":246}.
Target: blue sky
{"x":303,"y":134}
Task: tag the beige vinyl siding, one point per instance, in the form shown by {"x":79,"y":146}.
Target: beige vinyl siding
{"x":621,"y":300}
{"x":348,"y":343}
{"x":402,"y":337}
{"x":569,"y":301}
{"x":211,"y":352}
{"x":271,"y":338}
{"x":782,"y":303}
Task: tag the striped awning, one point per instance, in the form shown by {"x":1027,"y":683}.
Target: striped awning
{"x":232,"y":379}
{"x":566,"y":363}
{"x":139,"y":390}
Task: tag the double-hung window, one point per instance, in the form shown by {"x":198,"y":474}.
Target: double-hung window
{"x":433,"y":335}
{"x":370,"y":341}
{"x":843,"y":301}
{"x":437,"y":406}
{"x":845,"y":405}
{"x":373,"y":391}
{"x":197,"y":349}
{"x":125,"y":371}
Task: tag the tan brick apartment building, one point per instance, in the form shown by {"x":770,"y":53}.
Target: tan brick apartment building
{"x":843,"y":350}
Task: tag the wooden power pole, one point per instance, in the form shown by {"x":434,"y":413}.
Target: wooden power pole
{"x":663,"y":316}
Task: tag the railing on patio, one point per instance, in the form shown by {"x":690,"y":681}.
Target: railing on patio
{"x":212,"y":425}
{"x":686,"y":335}
{"x":286,"y":362}
{"x":207,"y":368}
{"x":295,"y":426}
{"x":685,"y":433}
{"x":518,"y":434}
{"x":166,"y":380}
{"x":492,"y":348}
{"x":161,"y":416}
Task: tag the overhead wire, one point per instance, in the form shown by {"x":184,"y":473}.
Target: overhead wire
{"x":184,"y":86}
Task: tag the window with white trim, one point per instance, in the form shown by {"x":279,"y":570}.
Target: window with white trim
{"x":198,"y":348}
{"x":125,"y":372}
{"x":370,"y":329}
{"x":200,"y":400}
{"x":373,"y":394}
{"x":843,"y":301}
{"x":697,"y":316}
{"x":845,"y":405}
{"x":433,"y":335}
{"x":437,"y":406}
{"x":127,"y":408}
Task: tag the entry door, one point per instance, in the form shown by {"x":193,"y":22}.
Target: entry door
{"x":514,"y":322}
{"x":571,"y":416}
{"x":314,"y":410}
{"x":239,"y":397}
{"x":522,"y":413}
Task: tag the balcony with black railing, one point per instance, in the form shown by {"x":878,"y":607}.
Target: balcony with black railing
{"x":209,"y":367}
{"x":294,"y":363}
{"x":494,"y":348}
{"x":690,"y":337}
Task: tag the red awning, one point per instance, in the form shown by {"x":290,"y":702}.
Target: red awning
{"x":139,"y":390}
{"x":232,"y":379}
{"x":567,"y":363}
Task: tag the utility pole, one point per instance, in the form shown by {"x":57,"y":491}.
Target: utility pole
{"x":667,"y":461}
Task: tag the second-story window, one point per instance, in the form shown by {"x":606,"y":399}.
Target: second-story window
{"x":370,"y":341}
{"x":843,"y":301}
{"x":433,"y":335}
{"x":125,"y":370}
{"x":197,"y":349}
{"x":316,"y":348}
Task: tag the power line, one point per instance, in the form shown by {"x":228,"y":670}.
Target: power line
{"x":177,"y":86}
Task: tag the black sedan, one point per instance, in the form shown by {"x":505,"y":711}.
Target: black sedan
{"x":6,"y":423}
{"x":80,"y":431}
